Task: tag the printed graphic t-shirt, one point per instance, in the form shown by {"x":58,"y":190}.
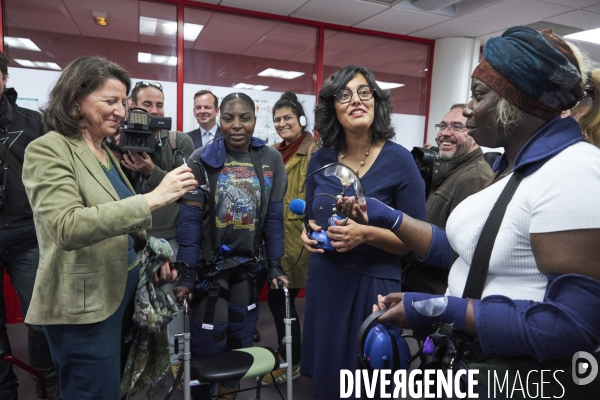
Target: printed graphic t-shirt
{"x":237,"y":198}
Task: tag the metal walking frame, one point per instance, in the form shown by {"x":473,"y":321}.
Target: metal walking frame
{"x":235,"y":364}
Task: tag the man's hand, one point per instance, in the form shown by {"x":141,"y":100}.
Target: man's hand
{"x":140,"y":162}
{"x":117,"y":152}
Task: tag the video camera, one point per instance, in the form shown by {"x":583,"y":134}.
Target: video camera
{"x":138,"y":133}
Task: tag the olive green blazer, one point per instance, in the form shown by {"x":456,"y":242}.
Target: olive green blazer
{"x":295,"y":260}
{"x":82,"y":228}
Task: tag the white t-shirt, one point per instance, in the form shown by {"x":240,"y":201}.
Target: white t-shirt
{"x":562,"y":195}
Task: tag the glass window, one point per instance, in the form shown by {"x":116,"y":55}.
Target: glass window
{"x":259,"y":57}
{"x":400,"y":66}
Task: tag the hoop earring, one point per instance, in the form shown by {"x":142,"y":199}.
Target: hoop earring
{"x":76,"y":108}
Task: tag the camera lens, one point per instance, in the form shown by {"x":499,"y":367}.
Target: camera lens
{"x":425,"y":157}
{"x":137,"y":141}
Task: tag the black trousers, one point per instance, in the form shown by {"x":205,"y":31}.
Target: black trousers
{"x":277,"y":307}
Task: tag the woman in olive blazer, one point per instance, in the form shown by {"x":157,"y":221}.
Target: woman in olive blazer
{"x":90,"y":227}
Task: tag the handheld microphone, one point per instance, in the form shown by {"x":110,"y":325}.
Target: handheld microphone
{"x":297,"y":206}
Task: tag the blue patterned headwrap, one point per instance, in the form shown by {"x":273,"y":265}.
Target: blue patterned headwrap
{"x":537,"y":72}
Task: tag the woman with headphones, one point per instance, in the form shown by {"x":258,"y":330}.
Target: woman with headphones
{"x":296,"y":148}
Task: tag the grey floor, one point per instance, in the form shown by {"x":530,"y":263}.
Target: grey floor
{"x":301,"y":389}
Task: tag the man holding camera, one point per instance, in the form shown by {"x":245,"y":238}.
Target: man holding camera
{"x":19,"y":253}
{"x":147,"y":170}
{"x":206,"y":109}
{"x":459,"y":171}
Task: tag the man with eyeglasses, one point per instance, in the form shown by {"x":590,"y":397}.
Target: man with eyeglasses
{"x":459,"y":172}
{"x":146,"y":171}
{"x":206,"y":109}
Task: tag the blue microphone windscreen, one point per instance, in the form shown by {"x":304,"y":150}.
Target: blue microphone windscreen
{"x":297,"y":206}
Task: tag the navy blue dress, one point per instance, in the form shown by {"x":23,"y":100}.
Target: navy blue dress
{"x":342,"y":287}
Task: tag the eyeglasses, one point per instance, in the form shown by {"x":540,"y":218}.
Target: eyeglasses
{"x":345,"y":96}
{"x":588,"y":91}
{"x":453,"y":127}
{"x":144,"y":84}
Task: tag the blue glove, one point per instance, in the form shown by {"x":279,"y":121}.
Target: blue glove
{"x":424,"y":309}
{"x":382,"y":215}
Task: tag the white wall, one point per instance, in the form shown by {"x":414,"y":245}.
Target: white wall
{"x":453,"y":62}
{"x":263,"y":100}
{"x":409,"y":130}
{"x":33,"y":87}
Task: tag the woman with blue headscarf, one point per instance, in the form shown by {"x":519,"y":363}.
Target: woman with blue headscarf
{"x":524,"y":293}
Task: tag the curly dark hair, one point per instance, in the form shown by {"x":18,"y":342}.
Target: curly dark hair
{"x":331,"y":132}
{"x":289,"y":99}
{"x":80,"y":78}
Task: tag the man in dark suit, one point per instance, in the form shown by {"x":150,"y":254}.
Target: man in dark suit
{"x":206,"y":109}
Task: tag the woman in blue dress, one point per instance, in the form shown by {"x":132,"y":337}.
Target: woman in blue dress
{"x":353,"y":118}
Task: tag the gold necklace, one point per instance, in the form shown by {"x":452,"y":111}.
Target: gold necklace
{"x":342,"y":155}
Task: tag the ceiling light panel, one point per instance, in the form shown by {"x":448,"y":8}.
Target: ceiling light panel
{"x":389,"y":85}
{"x":591,"y":36}
{"x":278,"y":73}
{"x":147,"y":58}
{"x":249,"y":87}
{"x":163,"y":27}
{"x":21,"y":43}
{"x":38,"y":64}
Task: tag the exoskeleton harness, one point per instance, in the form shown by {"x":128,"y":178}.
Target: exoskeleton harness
{"x":219,"y":258}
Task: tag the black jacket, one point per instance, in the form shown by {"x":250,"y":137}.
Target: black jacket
{"x":18,"y":127}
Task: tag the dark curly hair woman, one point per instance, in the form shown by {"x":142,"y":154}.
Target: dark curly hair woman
{"x":354,"y":123}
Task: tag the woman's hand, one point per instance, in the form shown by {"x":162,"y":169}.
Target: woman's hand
{"x":171,"y":188}
{"x":165,"y":274}
{"x":395,"y":314}
{"x":309,"y":243}
{"x":350,"y":208}
{"x":346,"y":235}
{"x":283,"y":278}
{"x":181,"y":291}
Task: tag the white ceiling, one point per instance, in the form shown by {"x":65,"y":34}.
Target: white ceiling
{"x":481,"y":19}
{"x":64,"y":29}
{"x":403,"y":18}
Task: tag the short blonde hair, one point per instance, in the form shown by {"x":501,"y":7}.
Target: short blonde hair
{"x":507,"y":115}
{"x":590,"y":121}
